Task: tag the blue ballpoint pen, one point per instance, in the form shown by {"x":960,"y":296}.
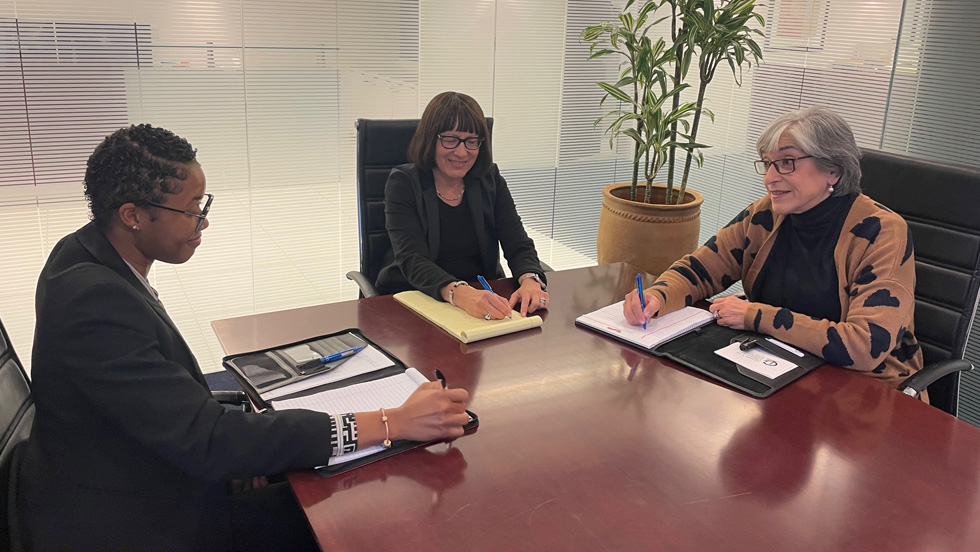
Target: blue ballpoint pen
{"x":483,"y":282}
{"x":639,"y":291}
{"x":316,"y":363}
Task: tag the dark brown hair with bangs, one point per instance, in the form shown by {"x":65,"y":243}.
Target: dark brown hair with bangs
{"x":450,"y":111}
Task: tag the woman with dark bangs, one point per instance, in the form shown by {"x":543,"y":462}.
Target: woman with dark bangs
{"x":449,"y":212}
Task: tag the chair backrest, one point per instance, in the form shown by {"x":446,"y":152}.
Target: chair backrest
{"x":381,"y":145}
{"x":939,"y":202}
{"x":16,"y":419}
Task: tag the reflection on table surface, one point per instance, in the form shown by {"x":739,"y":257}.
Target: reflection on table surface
{"x":587,"y":444}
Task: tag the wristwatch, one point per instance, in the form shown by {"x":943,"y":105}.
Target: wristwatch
{"x":455,"y":285}
{"x":535,"y":277}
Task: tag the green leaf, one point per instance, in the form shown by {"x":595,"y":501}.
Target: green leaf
{"x":647,"y":8}
{"x":615,"y":92}
{"x":625,"y":81}
{"x":686,"y":63}
{"x":632,"y":133}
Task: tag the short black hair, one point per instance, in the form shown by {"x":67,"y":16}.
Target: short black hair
{"x":138,"y":164}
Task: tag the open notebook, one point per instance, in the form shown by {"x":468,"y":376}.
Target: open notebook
{"x":688,"y":338}
{"x":458,"y":323}
{"x":610,"y":320}
{"x":389,"y":392}
{"x":370,"y":379}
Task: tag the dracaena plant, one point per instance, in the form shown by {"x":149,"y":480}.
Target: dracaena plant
{"x":647,"y":112}
{"x":715,"y":33}
{"x":653,"y":72}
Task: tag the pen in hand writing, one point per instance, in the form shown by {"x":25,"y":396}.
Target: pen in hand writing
{"x":486,"y":286}
{"x":639,"y":291}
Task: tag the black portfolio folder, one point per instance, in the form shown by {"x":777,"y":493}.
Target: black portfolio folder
{"x":696,"y":350}
{"x":275,"y":363}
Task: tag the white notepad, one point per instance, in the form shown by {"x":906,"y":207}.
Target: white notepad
{"x":610,"y":320}
{"x":389,"y":392}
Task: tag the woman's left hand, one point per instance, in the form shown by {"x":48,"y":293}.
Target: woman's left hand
{"x":530,"y":296}
{"x":730,"y":311}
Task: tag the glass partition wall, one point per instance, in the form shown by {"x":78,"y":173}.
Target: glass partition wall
{"x":268,"y":91}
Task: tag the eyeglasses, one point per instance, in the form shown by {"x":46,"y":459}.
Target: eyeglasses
{"x":452,"y":142}
{"x":783,"y":166}
{"x":204,"y":206}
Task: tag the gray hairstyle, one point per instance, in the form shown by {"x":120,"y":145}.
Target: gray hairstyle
{"x":819,"y":132}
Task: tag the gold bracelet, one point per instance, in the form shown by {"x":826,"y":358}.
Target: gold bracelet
{"x":384,"y":418}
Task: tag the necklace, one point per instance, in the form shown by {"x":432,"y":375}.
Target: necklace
{"x":452,"y":198}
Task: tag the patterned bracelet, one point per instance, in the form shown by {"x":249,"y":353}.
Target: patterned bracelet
{"x":343,"y":434}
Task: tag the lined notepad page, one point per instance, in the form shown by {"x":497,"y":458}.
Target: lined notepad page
{"x":461,"y":325}
{"x":389,"y":392}
{"x":610,"y":320}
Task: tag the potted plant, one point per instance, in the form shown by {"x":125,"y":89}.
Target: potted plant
{"x":652,"y":114}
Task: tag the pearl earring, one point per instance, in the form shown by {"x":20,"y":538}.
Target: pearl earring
{"x":830,"y":189}
{"x":137,"y":228}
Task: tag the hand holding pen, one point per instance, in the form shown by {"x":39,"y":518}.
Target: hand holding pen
{"x":636,"y":312}
{"x":431,"y":412}
{"x":493,"y":305}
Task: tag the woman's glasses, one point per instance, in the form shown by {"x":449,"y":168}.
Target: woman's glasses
{"x":452,"y":142}
{"x":203,"y":207}
{"x":783,"y":166}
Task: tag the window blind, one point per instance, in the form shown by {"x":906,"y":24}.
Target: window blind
{"x":934,"y":112}
{"x":268,"y":91}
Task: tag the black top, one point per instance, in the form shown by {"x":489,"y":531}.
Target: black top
{"x":126,"y":433}
{"x":413,"y":221}
{"x":459,"y":254}
{"x":800,"y":273}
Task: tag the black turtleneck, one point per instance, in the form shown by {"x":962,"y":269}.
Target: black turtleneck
{"x":800,"y":273}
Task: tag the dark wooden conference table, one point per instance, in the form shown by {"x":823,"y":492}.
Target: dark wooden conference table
{"x":585,"y":444}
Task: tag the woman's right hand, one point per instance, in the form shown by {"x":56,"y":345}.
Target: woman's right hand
{"x":480,"y":302}
{"x":631,"y":308}
{"x":430,"y":413}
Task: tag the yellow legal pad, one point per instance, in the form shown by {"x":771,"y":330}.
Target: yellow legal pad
{"x":461,"y":325}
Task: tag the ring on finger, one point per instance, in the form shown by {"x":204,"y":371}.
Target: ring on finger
{"x":487,"y":317}
{"x":542,"y":300}
{"x":717,"y":314}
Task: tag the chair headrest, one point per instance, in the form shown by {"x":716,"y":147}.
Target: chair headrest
{"x":925,"y":189}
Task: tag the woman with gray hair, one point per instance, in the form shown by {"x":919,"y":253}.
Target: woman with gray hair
{"x":823,"y":267}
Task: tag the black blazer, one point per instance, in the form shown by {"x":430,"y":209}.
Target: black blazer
{"x":412,"y":220}
{"x":129,"y":451}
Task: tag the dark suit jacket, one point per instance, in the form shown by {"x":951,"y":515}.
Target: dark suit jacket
{"x":129,"y":451}
{"x":412,"y":220}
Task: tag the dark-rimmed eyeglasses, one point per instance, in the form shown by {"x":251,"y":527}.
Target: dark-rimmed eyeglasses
{"x":452,"y":142}
{"x":783,"y":166}
{"x":205,"y":206}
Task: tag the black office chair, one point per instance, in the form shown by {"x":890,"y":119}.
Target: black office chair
{"x":939,"y":202}
{"x":382,"y":144}
{"x":16,"y":419}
